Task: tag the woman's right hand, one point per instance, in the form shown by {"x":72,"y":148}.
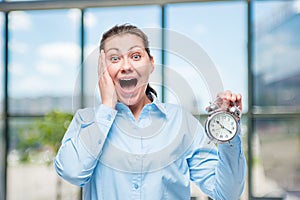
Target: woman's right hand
{"x":106,"y":84}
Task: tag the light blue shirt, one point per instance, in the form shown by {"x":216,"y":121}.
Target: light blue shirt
{"x":113,"y":156}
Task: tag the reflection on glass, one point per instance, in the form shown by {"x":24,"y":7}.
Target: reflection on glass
{"x":145,"y":17}
{"x":30,"y":169}
{"x":222,"y":36}
{"x":276,"y":160}
{"x":277,"y":48}
{"x":44,"y":57}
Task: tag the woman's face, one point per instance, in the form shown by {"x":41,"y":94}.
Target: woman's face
{"x":129,"y":66}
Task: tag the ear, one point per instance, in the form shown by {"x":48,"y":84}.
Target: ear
{"x":152,"y":64}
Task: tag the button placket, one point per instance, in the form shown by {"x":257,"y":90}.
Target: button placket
{"x":137,"y":178}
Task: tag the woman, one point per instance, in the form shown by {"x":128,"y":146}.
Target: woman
{"x":132,"y":146}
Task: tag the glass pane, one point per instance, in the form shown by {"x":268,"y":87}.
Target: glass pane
{"x":2,"y":18}
{"x":276,"y":156}
{"x":44,"y":60}
{"x":277,"y":47}
{"x":146,"y":18}
{"x":210,"y":52}
{"x":2,"y":142}
{"x":30,"y":158}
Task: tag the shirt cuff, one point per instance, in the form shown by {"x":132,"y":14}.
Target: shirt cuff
{"x":236,"y":140}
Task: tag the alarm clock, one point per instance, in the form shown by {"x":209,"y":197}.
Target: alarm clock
{"x":222,"y":123}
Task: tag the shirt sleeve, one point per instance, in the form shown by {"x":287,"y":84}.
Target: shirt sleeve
{"x":218,"y":170}
{"x":82,"y":144}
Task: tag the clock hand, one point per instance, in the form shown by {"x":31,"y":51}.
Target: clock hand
{"x":223,"y":127}
{"x":218,"y":122}
{"x":227,"y":129}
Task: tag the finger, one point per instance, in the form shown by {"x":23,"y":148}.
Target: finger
{"x":228,"y":95}
{"x":233,"y":97}
{"x":220,"y":98}
{"x":103,"y":58}
{"x":238,"y":97}
{"x":99,"y":65}
{"x":239,"y":101}
{"x":102,"y":63}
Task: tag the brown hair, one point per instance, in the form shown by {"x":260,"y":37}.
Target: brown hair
{"x":131,"y":29}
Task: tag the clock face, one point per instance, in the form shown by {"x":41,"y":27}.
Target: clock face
{"x":221,"y":126}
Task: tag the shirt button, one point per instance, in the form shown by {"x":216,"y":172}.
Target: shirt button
{"x":108,"y":117}
{"x":136,"y":186}
{"x":99,"y":141}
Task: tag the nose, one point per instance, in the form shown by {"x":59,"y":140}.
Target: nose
{"x":126,"y":65}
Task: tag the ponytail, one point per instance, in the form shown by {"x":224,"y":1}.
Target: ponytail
{"x":150,"y":90}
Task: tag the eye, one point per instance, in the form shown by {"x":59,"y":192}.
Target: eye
{"x":136,"y":56}
{"x":114,"y":59}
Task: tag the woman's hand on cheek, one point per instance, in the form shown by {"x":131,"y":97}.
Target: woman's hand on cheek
{"x":106,"y":84}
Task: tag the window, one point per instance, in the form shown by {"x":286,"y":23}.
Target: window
{"x":276,"y":157}
{"x":216,"y":31}
{"x":44,"y":60}
{"x":205,"y":52}
{"x":277,"y":47}
{"x":276,"y":99}
{"x":30,"y":161}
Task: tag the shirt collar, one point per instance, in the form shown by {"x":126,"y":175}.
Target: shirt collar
{"x":159,"y":105}
{"x":155,"y":103}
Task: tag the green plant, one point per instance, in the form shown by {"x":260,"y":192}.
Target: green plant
{"x":45,"y":133}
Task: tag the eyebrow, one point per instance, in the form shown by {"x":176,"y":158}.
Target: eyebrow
{"x":133,"y":47}
{"x":136,"y":46}
{"x":110,"y":49}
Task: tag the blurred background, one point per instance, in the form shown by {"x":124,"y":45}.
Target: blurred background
{"x":47,"y":62}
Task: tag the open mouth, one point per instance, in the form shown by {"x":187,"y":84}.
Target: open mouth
{"x":128,"y":83}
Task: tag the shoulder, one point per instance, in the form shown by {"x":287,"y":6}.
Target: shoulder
{"x":174,"y":109}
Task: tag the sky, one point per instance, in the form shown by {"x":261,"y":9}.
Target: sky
{"x":44,"y":46}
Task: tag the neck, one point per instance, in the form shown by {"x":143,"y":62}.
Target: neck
{"x":137,"y":108}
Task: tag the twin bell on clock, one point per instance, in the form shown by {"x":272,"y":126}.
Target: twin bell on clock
{"x":222,"y":122}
